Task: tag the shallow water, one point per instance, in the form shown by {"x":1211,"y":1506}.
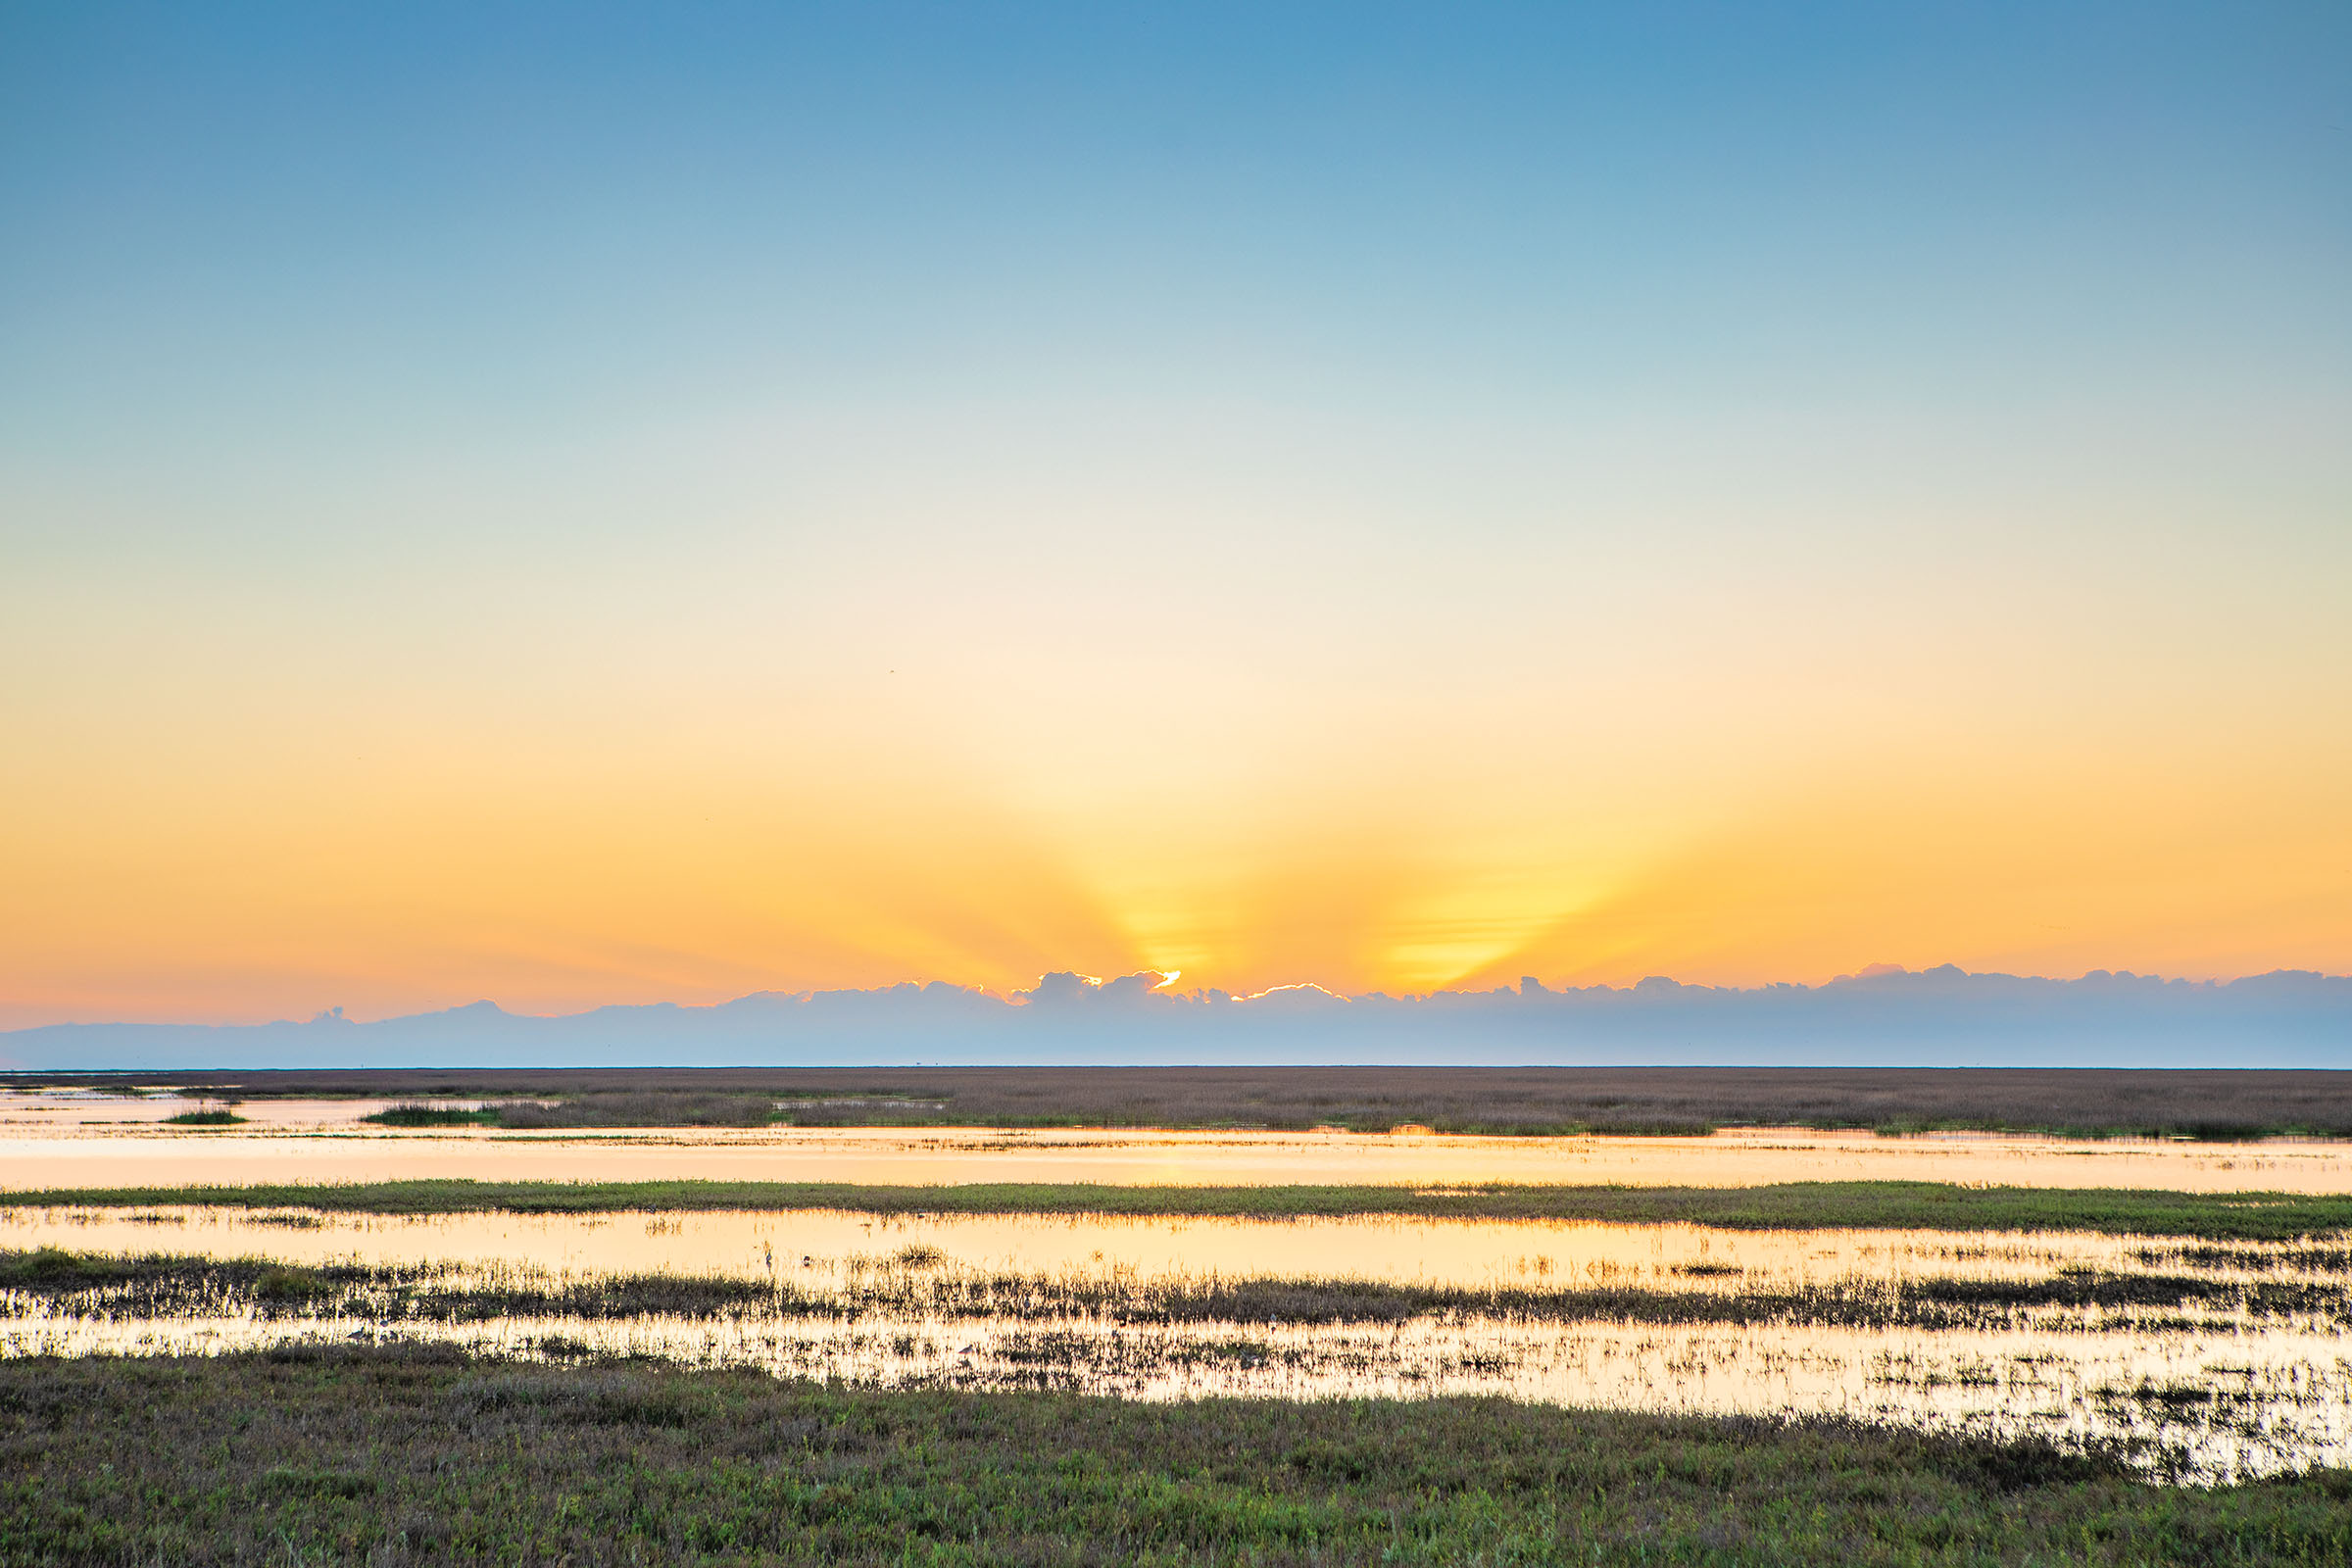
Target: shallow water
{"x":762,"y":1245}
{"x":90,"y":1114}
{"x":2218,"y":1397}
{"x":49,"y":1141}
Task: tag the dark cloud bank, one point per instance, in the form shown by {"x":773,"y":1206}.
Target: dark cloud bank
{"x":1890,"y":1017}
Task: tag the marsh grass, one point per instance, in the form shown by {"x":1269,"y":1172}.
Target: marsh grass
{"x":415,"y":1115}
{"x":2237,"y":1255}
{"x":659,"y":1108}
{"x":205,"y":1118}
{"x":2207,"y":1104}
{"x":412,"y":1455}
{"x":2213,"y":1218}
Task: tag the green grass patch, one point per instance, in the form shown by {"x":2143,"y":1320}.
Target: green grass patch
{"x":50,"y":1269}
{"x":1786,"y":1206}
{"x":412,"y":1455}
{"x":205,"y":1118}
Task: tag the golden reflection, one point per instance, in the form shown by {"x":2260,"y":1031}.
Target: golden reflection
{"x":103,"y":1142}
{"x":1473,"y":1255}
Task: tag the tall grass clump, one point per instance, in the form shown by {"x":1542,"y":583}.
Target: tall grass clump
{"x":420,"y":1115}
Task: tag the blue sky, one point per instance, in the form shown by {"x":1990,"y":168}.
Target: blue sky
{"x":515,"y":218}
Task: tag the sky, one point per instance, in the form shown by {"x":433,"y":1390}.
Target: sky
{"x":580,"y":504}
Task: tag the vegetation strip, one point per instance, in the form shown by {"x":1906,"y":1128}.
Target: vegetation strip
{"x":2099,"y":1103}
{"x":390,"y":1295}
{"x":1789,"y":1205}
{"x":423,"y":1455}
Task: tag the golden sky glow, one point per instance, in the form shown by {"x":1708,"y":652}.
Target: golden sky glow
{"x":554,"y":817}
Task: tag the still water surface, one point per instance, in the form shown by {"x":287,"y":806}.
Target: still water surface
{"x":51,"y":1141}
{"x":759,"y":1244}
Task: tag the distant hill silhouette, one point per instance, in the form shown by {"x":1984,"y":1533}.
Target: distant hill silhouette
{"x":1883,"y":1016}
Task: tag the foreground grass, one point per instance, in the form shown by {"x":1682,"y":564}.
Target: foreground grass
{"x":413,"y":1455}
{"x":1788,"y":1205}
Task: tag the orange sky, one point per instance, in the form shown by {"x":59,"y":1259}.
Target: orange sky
{"x":240,"y":838}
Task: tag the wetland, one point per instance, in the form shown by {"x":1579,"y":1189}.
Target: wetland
{"x":2194,"y":1360}
{"x":84,"y":1139}
{"x":1956,"y":1347}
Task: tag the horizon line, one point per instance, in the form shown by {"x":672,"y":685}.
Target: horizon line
{"x":1160,"y":990}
